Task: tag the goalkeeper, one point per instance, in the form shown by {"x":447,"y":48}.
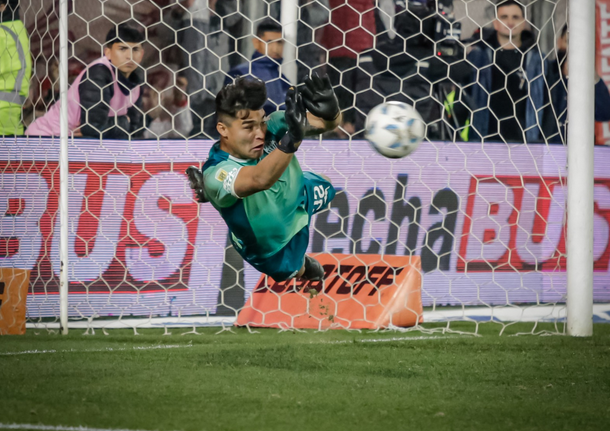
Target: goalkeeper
{"x":254,"y":180}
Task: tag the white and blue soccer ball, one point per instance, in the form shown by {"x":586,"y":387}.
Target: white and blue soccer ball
{"x":394,"y":129}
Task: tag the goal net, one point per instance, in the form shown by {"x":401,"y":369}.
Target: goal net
{"x":481,"y":203}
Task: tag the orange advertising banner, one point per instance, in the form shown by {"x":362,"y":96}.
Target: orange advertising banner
{"x":602,"y":49}
{"x":13,"y":295}
{"x":363,"y":291}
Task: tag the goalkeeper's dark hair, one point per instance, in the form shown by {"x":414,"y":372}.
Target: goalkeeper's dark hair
{"x":511,"y":3}
{"x":268,"y":24}
{"x":124,"y":33}
{"x":245,"y":94}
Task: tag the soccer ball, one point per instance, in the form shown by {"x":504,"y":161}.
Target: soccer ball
{"x":394,"y":129}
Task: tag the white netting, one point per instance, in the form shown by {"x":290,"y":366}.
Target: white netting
{"x":486,"y":217}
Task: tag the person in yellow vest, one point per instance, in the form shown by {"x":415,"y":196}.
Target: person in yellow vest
{"x":15,"y":68}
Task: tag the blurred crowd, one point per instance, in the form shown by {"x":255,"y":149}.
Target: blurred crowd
{"x":496,"y":85}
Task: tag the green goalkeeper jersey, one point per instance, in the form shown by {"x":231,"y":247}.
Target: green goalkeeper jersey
{"x":263,"y":223}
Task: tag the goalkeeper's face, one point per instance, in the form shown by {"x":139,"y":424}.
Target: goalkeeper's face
{"x":243,"y":137}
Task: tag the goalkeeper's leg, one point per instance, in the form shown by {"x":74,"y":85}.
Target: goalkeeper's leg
{"x":291,"y":261}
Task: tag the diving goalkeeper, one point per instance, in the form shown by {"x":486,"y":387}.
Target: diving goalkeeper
{"x":254,"y":180}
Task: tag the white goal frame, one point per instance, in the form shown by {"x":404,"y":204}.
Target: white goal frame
{"x":580,"y":163}
{"x":580,"y":168}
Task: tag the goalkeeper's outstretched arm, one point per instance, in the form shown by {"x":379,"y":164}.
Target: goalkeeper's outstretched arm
{"x":320,"y":100}
{"x":317,"y":125}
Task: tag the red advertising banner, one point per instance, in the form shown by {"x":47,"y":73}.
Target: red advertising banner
{"x":126,"y":218}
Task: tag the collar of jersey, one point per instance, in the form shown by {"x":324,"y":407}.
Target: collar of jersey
{"x":235,"y":159}
{"x":216,"y":149}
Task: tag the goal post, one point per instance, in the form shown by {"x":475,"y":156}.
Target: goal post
{"x":64,"y":154}
{"x":581,"y":106}
{"x":289,"y":19}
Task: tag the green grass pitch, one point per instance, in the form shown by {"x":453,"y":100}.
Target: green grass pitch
{"x":335,"y":380}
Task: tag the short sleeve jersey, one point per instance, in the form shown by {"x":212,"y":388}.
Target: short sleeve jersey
{"x":263,"y":223}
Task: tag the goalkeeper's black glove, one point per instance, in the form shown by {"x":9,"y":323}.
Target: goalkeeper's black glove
{"x":319,"y":97}
{"x":196,"y":183}
{"x":296,"y":118}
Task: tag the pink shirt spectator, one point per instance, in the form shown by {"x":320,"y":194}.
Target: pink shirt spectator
{"x":48,"y":125}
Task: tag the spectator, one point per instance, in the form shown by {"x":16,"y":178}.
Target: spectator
{"x":15,"y":68}
{"x":555,"y":118}
{"x":225,"y":25}
{"x":313,"y":14}
{"x":351,"y":31}
{"x":203,"y":33}
{"x":171,"y":118}
{"x":414,"y":61}
{"x":44,"y":94}
{"x":508,"y":89}
{"x":265,"y":64}
{"x":192,"y":22}
{"x":104,"y":100}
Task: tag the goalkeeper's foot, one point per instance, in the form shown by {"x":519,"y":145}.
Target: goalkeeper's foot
{"x":313,"y":270}
{"x":196,"y":182}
